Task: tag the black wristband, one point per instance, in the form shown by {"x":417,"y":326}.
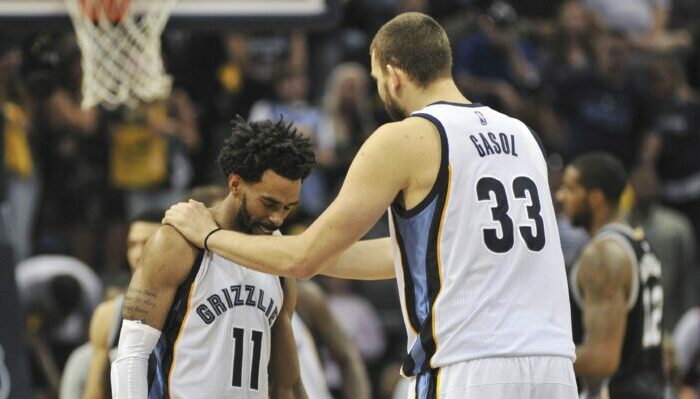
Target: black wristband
{"x":209,"y":235}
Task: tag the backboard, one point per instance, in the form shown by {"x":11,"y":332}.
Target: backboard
{"x":203,"y":14}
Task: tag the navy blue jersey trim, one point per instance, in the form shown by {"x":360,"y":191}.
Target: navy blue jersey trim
{"x":432,"y":385}
{"x":539,"y":141}
{"x":432,"y":272}
{"x":427,"y":389}
{"x":441,"y":177}
{"x":408,"y":279}
{"x":470,"y":105}
{"x":171,"y":330}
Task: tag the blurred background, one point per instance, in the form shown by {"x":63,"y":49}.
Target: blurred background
{"x":614,"y":75}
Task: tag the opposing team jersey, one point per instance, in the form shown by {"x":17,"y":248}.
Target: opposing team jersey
{"x":640,"y":374}
{"x":216,"y":339}
{"x":312,"y":375}
{"x":478,"y":262}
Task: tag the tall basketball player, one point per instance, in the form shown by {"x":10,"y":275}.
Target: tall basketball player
{"x":474,"y":240}
{"x":616,"y":289}
{"x":215,"y":326}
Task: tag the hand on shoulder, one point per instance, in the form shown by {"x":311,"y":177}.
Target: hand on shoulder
{"x":192,"y":220}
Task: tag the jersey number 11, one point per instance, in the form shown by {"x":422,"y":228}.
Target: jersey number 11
{"x":256,"y":338}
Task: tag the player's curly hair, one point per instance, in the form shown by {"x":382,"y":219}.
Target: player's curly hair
{"x":255,"y":147}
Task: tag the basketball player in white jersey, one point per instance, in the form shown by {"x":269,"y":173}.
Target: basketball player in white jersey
{"x":616,"y":291}
{"x":106,"y":320}
{"x":212,"y":325}
{"x":474,"y":240}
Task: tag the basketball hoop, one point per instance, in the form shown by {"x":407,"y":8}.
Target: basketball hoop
{"x":120,"y":45}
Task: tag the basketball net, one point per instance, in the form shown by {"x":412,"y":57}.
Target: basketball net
{"x":120,"y":46}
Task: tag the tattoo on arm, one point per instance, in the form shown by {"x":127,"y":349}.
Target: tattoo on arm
{"x":138,"y":303}
{"x":603,"y":281}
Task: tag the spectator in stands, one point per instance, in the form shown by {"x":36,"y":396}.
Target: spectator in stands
{"x":151,"y":150}
{"x":570,"y":48}
{"x":346,"y":103}
{"x":231,"y":88}
{"x":292,"y":103}
{"x":602,"y":109}
{"x":495,"y":66}
{"x":20,"y":177}
{"x":645,"y":22}
{"x":71,"y":150}
{"x":568,"y":51}
{"x":674,"y":143}
{"x":671,"y":235}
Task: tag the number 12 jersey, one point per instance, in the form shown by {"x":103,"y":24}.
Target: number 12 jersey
{"x":640,"y":374}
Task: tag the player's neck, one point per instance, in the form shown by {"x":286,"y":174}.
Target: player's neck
{"x":441,"y":90}
{"x":224,"y":214}
{"x":602,"y":218}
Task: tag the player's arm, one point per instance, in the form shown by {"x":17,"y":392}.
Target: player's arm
{"x":165,"y":264}
{"x":313,"y":308}
{"x":604,"y":276}
{"x":96,"y":385}
{"x":381,"y":170}
{"x":284,"y":374}
{"x":364,"y":260}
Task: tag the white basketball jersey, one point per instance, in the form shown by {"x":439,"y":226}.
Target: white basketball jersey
{"x":478,"y":262}
{"x":216,"y":339}
{"x":312,"y":375}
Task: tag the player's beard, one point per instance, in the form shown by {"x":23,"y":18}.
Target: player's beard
{"x":392,"y":106}
{"x":584,"y":217}
{"x":245,"y":221}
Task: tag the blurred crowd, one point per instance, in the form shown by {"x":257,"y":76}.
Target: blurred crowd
{"x":620,"y":76}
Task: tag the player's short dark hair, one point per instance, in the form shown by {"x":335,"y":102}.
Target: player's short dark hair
{"x":416,"y":44}
{"x":602,"y":171}
{"x":152,"y":215}
{"x":255,"y":147}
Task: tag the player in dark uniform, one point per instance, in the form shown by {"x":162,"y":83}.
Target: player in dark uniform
{"x":615,"y":286}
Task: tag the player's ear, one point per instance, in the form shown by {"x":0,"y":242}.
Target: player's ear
{"x":234,"y":183}
{"x":393,"y":76}
{"x":596,"y":198}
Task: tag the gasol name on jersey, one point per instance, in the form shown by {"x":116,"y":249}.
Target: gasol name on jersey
{"x":493,"y":144}
{"x":235,"y":296}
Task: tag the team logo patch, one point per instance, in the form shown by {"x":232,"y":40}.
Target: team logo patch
{"x":482,"y":118}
